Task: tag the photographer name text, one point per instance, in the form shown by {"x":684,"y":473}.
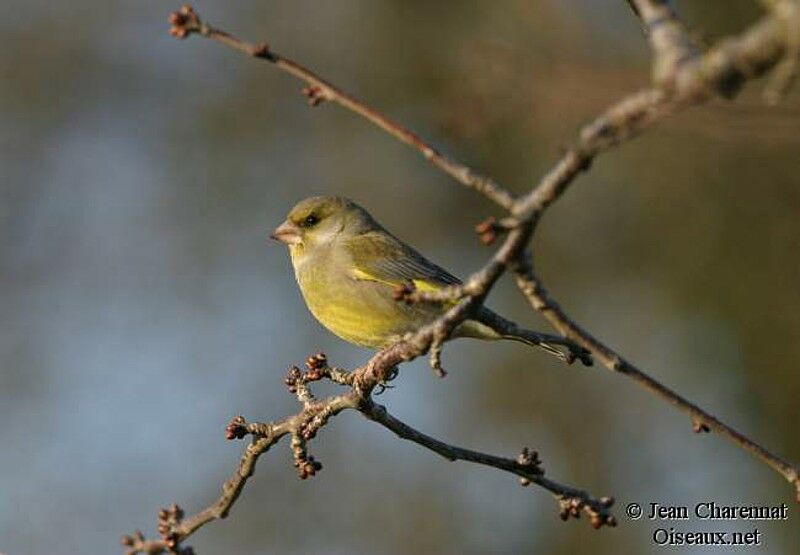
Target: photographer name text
{"x":709,"y":510}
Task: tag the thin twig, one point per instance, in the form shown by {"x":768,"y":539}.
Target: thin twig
{"x":303,"y":426}
{"x":596,"y":509}
{"x":622,"y":121}
{"x":720,"y":71}
{"x":186,"y":22}
{"x":688,"y":78}
{"x":532,"y":287}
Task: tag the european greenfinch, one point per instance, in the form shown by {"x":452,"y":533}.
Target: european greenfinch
{"x":349,"y":269}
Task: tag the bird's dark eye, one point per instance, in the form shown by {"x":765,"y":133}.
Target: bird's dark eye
{"x":310,"y":220}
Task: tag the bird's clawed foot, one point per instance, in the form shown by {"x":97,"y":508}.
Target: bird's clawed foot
{"x":383,"y":385}
{"x":576,"y":352}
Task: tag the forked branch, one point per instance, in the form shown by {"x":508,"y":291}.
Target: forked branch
{"x":683,"y":75}
{"x":174,"y":528}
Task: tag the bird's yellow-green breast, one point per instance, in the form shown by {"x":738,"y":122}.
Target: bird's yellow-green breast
{"x":351,"y":302}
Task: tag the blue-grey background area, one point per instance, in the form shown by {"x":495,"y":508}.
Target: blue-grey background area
{"x":142,"y":306}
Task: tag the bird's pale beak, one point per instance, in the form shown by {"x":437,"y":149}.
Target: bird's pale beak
{"x":287,"y":233}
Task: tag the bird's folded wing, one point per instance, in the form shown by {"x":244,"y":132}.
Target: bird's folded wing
{"x":382,"y":258}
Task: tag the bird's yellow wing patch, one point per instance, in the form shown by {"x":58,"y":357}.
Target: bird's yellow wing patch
{"x":420,"y":284}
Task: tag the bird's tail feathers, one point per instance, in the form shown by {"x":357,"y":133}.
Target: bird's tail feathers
{"x":490,"y":325}
{"x":547,"y":347}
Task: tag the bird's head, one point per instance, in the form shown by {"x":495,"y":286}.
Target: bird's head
{"x":316,"y":221}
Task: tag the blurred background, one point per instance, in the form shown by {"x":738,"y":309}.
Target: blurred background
{"x":142,"y":305}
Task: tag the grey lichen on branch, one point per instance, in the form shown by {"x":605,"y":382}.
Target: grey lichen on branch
{"x":683,"y":75}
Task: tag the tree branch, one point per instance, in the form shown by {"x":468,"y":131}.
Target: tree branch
{"x":671,"y":42}
{"x":526,"y":466}
{"x":186,"y":22}
{"x":682,"y":77}
{"x":785,"y":73}
{"x":302,"y":427}
{"x":702,"y":421}
{"x":721,"y":71}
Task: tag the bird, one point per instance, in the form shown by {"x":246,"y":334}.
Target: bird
{"x":349,"y":269}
